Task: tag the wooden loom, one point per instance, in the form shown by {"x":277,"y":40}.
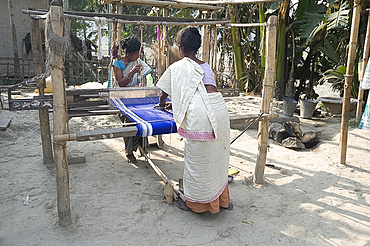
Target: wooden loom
{"x":61,"y":116}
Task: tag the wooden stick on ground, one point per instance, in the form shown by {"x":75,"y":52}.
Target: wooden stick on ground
{"x":163,"y":176}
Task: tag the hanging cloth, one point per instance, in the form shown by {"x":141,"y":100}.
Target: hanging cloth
{"x":365,"y":84}
{"x":99,"y":22}
{"x":365,"y":120}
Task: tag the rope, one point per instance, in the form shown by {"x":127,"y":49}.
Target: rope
{"x":57,"y":45}
{"x":256,"y":119}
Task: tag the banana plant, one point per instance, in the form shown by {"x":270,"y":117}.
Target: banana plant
{"x":317,"y":41}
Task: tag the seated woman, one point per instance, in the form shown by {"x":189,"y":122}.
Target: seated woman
{"x":202,"y":119}
{"x":130,"y":71}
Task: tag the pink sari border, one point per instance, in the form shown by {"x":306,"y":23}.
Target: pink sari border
{"x":196,"y":135}
{"x":211,"y":200}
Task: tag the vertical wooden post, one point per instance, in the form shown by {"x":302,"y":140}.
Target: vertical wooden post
{"x":38,"y":60}
{"x":119,"y":27}
{"x":263,"y":134}
{"x":206,"y":40}
{"x":60,"y":116}
{"x":214,"y":40}
{"x":348,"y":80}
{"x":365,"y":59}
{"x":166,"y":43}
{"x":160,"y":50}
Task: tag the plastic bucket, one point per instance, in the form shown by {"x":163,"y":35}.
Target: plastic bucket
{"x":289,"y":106}
{"x":307,"y":108}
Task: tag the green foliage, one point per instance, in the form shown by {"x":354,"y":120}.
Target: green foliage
{"x":322,"y":31}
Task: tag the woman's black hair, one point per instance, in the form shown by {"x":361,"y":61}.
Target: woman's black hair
{"x":189,"y":39}
{"x":130,"y":45}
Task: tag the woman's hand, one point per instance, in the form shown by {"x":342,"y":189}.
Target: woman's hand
{"x":135,"y":69}
{"x":167,"y":105}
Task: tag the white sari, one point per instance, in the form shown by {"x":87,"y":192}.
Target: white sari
{"x":198,"y":114}
{"x":137,"y":78}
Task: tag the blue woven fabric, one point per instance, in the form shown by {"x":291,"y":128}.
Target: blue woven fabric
{"x":365,"y":120}
{"x":150,"y":121}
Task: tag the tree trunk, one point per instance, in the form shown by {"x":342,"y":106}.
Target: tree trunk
{"x":238,"y":60}
{"x":17,"y":67}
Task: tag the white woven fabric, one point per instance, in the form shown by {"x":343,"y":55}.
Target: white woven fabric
{"x":207,"y":162}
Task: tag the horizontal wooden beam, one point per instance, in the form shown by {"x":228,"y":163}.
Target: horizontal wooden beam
{"x":226,"y":1}
{"x":30,"y":104}
{"x":166,"y":4}
{"x":135,"y":19}
{"x":240,"y":119}
{"x":128,"y":131}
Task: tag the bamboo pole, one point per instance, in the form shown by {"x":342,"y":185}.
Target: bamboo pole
{"x":365,"y":59}
{"x":214,"y":40}
{"x":139,"y":20}
{"x":166,"y":43}
{"x":160,"y":48}
{"x":59,"y":117}
{"x":206,"y":40}
{"x":267,"y":91}
{"x":348,"y":80}
{"x":225,"y":1}
{"x":169,"y":4}
{"x":38,"y":60}
{"x":119,"y":27}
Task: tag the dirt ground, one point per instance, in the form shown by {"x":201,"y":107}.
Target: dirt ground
{"x":310,"y":200}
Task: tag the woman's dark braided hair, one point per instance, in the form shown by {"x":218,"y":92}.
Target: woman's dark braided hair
{"x":128,"y":45}
{"x":189,"y":39}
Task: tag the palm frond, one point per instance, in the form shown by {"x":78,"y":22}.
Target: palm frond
{"x":339,"y":18}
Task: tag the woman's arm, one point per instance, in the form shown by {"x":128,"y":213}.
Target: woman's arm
{"x":162,"y":101}
{"x":123,"y":81}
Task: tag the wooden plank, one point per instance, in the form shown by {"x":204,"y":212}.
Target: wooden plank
{"x":76,"y":159}
{"x":30,"y":104}
{"x":129,"y":131}
{"x":74,"y":92}
{"x":4,"y":123}
{"x":87,"y":103}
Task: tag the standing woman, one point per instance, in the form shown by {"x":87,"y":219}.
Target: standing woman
{"x":202,"y":119}
{"x":130,"y":71}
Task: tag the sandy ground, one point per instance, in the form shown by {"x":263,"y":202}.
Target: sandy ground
{"x":311,"y":200}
